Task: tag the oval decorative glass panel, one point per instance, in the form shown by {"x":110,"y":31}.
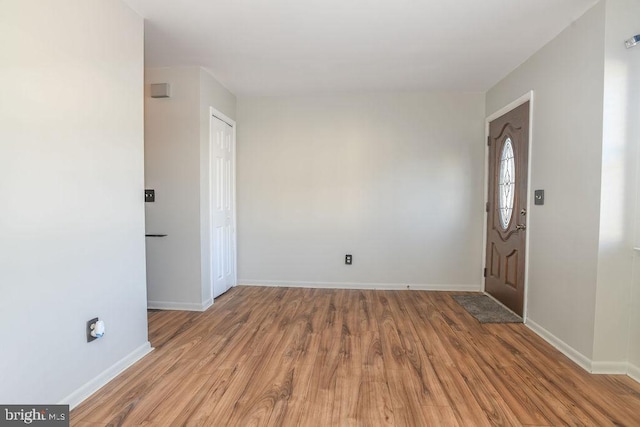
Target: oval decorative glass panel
{"x":506,"y":184}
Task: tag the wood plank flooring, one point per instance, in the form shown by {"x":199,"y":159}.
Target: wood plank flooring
{"x":320,"y":357}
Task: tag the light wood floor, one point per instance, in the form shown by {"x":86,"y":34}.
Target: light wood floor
{"x":318,"y":357}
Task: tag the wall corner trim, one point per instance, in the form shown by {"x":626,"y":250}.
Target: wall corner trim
{"x":634,"y":372}
{"x":208,"y":303}
{"x":82,"y":393}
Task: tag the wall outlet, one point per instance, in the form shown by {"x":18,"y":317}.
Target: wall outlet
{"x":89,"y":329}
{"x":348,"y":259}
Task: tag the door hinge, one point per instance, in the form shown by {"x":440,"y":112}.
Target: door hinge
{"x":486,"y":207}
{"x":488,"y":140}
{"x":485,"y":272}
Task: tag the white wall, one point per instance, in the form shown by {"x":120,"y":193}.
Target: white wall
{"x":567,"y":79}
{"x":394,"y":179}
{"x":176,"y":162}
{"x":630,"y":60}
{"x":172,"y":152}
{"x":71,"y":186}
{"x":621,"y":132}
{"x":213,"y":94}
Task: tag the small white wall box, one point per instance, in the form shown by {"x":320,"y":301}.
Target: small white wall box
{"x":160,"y":90}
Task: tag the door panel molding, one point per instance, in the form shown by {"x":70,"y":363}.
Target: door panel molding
{"x":512,"y":129}
{"x":527,"y":97}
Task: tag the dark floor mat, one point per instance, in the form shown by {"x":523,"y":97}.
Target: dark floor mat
{"x":486,"y":310}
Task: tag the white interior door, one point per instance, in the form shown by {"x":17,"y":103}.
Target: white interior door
{"x":222,"y":187}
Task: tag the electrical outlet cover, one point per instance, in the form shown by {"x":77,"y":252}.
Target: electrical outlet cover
{"x":89,"y":323}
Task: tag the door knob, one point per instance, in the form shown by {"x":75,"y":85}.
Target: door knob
{"x":521,"y":227}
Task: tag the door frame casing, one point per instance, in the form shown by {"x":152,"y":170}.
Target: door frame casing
{"x":214,"y":113}
{"x":499,"y":113}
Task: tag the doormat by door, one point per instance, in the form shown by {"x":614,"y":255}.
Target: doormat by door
{"x":486,"y":310}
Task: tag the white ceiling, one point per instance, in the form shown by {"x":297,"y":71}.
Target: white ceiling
{"x":282,"y":47}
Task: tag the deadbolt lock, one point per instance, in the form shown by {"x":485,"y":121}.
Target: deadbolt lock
{"x":523,"y":212}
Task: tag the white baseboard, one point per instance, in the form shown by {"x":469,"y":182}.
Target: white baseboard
{"x":180,"y":306}
{"x":573,"y":354}
{"x":208,"y":303}
{"x":353,"y":285}
{"x":609,"y":368}
{"x":78,"y":396}
{"x":634,"y":372}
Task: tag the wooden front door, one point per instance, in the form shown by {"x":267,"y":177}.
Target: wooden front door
{"x":507,"y":207}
